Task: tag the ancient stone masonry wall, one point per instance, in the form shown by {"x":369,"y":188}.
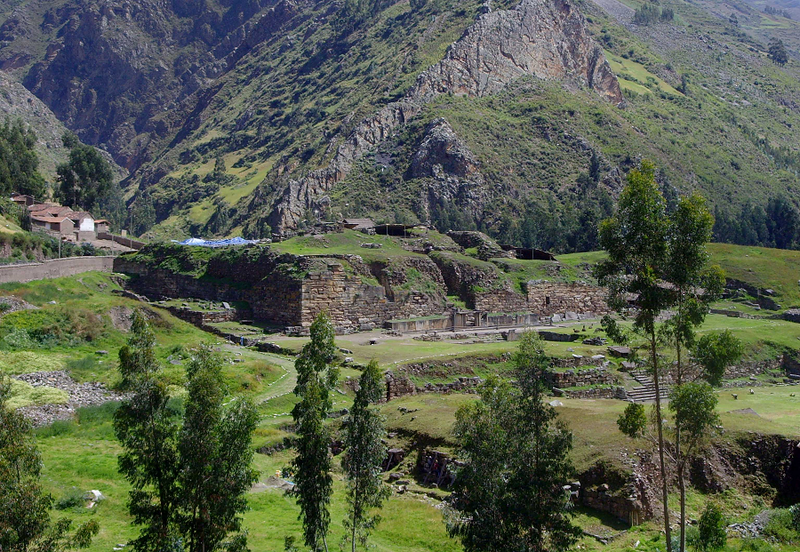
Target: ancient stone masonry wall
{"x":351,"y":303}
{"x":276,"y":298}
{"x":754,"y":368}
{"x":581,"y":378}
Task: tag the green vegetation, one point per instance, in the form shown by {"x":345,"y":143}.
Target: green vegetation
{"x":24,"y":520}
{"x":19,"y":162}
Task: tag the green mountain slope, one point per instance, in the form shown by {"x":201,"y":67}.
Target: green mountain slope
{"x":264,"y":116}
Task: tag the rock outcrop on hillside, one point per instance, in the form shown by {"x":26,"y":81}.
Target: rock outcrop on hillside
{"x":542,"y":39}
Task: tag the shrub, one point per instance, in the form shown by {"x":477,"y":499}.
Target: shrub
{"x":72,"y":499}
{"x":782,"y":525}
{"x":711,"y":529}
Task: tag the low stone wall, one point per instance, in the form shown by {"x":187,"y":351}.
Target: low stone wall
{"x":573,"y":362}
{"x":597,"y":393}
{"x":201,"y":318}
{"x":399,"y":385}
{"x":747,"y":369}
{"x":127,"y":242}
{"x":581,"y":378}
{"x":55,"y":268}
{"x":438,"y":323}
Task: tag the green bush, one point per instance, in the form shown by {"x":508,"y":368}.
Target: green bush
{"x":782,"y":525}
{"x":711,"y":529}
{"x":73,"y":498}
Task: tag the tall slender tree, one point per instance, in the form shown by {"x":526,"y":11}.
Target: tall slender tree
{"x":316,"y":378}
{"x":694,"y":286}
{"x":189,"y":480}
{"x":215,"y":453}
{"x":364,"y":454}
{"x":147,"y":428}
{"x":24,"y":506}
{"x":636,"y":239}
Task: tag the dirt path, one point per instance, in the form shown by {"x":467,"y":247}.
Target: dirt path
{"x":283,"y":385}
{"x":617,"y":10}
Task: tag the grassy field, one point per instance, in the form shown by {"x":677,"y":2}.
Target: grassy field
{"x":776,"y":269}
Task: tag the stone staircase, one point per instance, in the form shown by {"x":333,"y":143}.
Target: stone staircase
{"x":646,"y":390}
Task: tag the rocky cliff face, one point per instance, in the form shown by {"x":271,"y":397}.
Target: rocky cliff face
{"x":547,"y":40}
{"x":125,"y":75}
{"x":541,"y":38}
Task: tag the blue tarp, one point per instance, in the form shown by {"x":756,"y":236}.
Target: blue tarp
{"x":215,"y":243}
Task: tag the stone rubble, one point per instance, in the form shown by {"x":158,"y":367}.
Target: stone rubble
{"x":80,"y":395}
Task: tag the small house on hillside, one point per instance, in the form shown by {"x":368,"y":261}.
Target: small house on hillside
{"x":60,"y":225}
{"x":22,"y":200}
{"x":84,"y":225}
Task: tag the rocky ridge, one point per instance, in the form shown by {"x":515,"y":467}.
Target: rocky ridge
{"x":537,"y":38}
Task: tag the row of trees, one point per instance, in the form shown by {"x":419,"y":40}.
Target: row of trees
{"x":775,"y":225}
{"x":317,"y":377}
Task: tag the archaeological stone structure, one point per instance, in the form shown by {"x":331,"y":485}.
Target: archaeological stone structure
{"x":404,"y":293}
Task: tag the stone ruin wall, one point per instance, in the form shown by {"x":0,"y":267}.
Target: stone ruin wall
{"x":340,"y":285}
{"x":353,"y":304}
{"x":284,"y":292}
{"x":547,"y":299}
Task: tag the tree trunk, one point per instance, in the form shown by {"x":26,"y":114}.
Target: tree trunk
{"x":664,"y":485}
{"x":682,"y":486}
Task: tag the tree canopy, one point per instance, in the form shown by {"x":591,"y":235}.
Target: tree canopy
{"x":19,"y":162}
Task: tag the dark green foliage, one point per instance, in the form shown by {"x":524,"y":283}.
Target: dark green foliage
{"x":215,"y":455}
{"x":147,"y":429}
{"x":316,"y":379}
{"x":364,"y":454}
{"x":637,"y":241}
{"x":25,"y":514}
{"x":711,"y":528}
{"x":775,"y":224}
{"x":613,"y":330}
{"x":784,"y":525}
{"x":716,"y":351}
{"x":73,"y":498}
{"x":189,"y":481}
{"x":508,"y":496}
{"x":693,"y":406}
{"x":19,"y":162}
{"x":777,"y":51}
{"x":633,"y":421}
{"x":648,"y":14}
{"x":86,"y":179}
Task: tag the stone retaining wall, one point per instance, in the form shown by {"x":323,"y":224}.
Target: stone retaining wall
{"x":597,"y":393}
{"x":755,"y":368}
{"x":55,"y":268}
{"x":581,"y":378}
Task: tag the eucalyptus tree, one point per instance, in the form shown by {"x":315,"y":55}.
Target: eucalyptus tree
{"x":636,"y":239}
{"x":316,"y":379}
{"x":363,"y":457}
